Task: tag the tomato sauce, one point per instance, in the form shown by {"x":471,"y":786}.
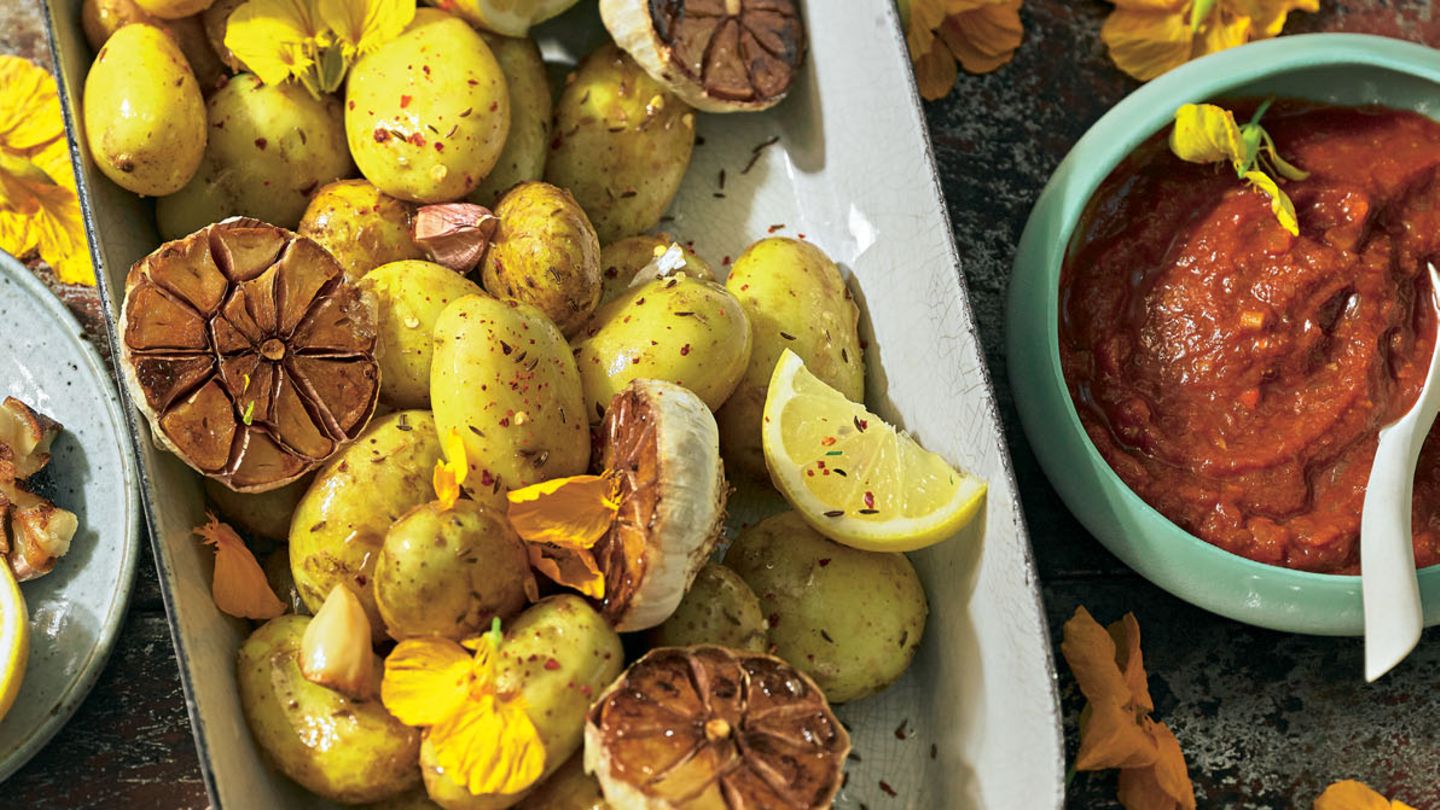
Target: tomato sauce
{"x":1236,"y":377}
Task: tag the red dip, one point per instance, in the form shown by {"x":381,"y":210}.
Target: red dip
{"x":1236,"y":376}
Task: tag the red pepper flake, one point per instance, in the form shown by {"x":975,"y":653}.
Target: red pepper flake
{"x":824,"y":561}
{"x":504,"y":421}
{"x":726,"y":261}
{"x":774,"y":620}
{"x":261,"y":143}
{"x":774,"y":228}
{"x":861,"y":424}
{"x":685,"y":350}
{"x":889,"y":791}
{"x":552,"y":664}
{"x":426,"y":69}
{"x":404,"y":101}
{"x":800,"y":236}
{"x":494,"y":105}
{"x":902,"y":731}
{"x":486,"y":479}
{"x":472,"y":82}
{"x":381,"y":135}
{"x":827,"y":441}
{"x":869,"y":499}
{"x":635,"y":359}
{"x":416,"y":139}
{"x":439,"y":147}
{"x":586,"y":689}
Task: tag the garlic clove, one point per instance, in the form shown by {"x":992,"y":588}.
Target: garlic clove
{"x":454,"y":234}
{"x":335,"y":650}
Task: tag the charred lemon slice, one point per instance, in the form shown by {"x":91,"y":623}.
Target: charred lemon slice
{"x":250,"y":353}
{"x":662,"y":442}
{"x":710,"y":727}
{"x":851,"y":476}
{"x":717,"y":55}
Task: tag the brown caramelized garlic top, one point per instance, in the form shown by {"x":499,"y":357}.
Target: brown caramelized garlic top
{"x":738,"y":50}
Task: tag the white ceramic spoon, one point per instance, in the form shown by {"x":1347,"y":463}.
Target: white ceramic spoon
{"x":1393,"y":618}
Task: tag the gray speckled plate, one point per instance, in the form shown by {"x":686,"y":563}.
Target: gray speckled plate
{"x":75,"y":610}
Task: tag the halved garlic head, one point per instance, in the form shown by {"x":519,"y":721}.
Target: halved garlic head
{"x":335,"y":650}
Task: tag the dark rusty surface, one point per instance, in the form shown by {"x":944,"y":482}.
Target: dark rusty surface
{"x":1266,"y":719}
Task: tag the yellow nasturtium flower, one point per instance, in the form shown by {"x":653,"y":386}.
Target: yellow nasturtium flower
{"x":313,"y":42}
{"x":561,"y":521}
{"x":1205,"y":133}
{"x":39,"y":207}
{"x":1352,"y":795}
{"x":981,"y":34}
{"x":450,"y":472}
{"x":1149,"y":37}
{"x":483,"y":738}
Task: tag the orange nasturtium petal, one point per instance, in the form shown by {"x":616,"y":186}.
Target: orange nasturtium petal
{"x":1163,"y":785}
{"x":1126,"y":635}
{"x":1146,"y":43}
{"x":239,"y":587}
{"x":450,"y":471}
{"x":572,"y":567}
{"x":1090,"y":652}
{"x":986,"y":37}
{"x":490,"y":746}
{"x":573,"y":512}
{"x":426,"y":681}
{"x":1352,"y":795}
{"x":1111,"y":736}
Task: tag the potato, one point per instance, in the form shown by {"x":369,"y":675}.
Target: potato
{"x":558,"y":656}
{"x":531,"y":113}
{"x":796,"y":299}
{"x":409,"y":297}
{"x":503,"y":378}
{"x":718,"y":609}
{"x":270,"y":147}
{"x":426,"y":113}
{"x":622,"y":143}
{"x":339,"y":749}
{"x":848,"y":618}
{"x":173,"y":9}
{"x":682,"y":330}
{"x":449,"y":572}
{"x":361,"y":226}
{"x":264,"y":515}
{"x":216,"y":18}
{"x":622,"y":261}
{"x":341,"y":522}
{"x":101,"y":18}
{"x":569,"y":788}
{"x":144,"y":117}
{"x":545,"y":253}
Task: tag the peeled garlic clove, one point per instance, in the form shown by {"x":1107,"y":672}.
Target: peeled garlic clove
{"x":454,"y":234}
{"x":28,"y":435}
{"x":335,"y":650}
{"x":38,"y":533}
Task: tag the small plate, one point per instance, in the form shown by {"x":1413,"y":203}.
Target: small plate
{"x":75,"y":610}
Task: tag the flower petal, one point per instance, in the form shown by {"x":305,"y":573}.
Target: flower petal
{"x":1268,"y":16}
{"x":1221,"y":33}
{"x":1111,"y":736}
{"x":276,"y":39}
{"x":935,"y":71}
{"x":451,"y":471}
{"x":1147,"y":43}
{"x":985,"y":38}
{"x":1280,"y":204}
{"x":1169,"y":770}
{"x":1126,"y":635}
{"x":1090,"y":652}
{"x":426,"y":681}
{"x":239,"y":587}
{"x":573,"y":568}
{"x":361,"y":26}
{"x":574,"y":512}
{"x":1351,"y":795}
{"x":1205,"y":133}
{"x":29,"y":107}
{"x":490,"y":746}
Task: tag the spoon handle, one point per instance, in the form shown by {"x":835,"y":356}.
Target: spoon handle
{"x":1393,"y":615}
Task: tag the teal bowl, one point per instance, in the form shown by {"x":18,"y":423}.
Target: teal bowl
{"x":1335,"y":68}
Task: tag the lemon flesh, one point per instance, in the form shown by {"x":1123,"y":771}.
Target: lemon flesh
{"x":14,"y":638}
{"x":853,"y":477}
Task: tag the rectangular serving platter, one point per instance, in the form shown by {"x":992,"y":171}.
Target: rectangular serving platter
{"x":845,"y":162}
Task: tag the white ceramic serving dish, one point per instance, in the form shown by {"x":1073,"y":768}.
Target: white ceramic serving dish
{"x":852,"y":171}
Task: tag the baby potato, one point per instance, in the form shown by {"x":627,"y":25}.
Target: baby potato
{"x":174,"y":9}
{"x":409,"y":297}
{"x":341,"y":522}
{"x":264,"y":515}
{"x":339,"y":749}
{"x":282,"y":581}
{"x":681,"y":330}
{"x":622,"y":144}
{"x":101,"y":18}
{"x":270,"y":146}
{"x":531,"y":113}
{"x":718,"y":609}
{"x":427,"y":113}
{"x":448,"y":572}
{"x":545,"y":253}
{"x":216,"y":18}
{"x":361,"y":226}
{"x":504,"y":379}
{"x":144,"y":117}
{"x":622,"y":261}
{"x":848,"y":618}
{"x":557,"y":656}
{"x":796,"y":299}
{"x":569,"y":788}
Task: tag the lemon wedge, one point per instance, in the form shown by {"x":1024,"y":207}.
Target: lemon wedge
{"x":14,"y":638}
{"x":511,"y":18}
{"x":853,"y":477}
